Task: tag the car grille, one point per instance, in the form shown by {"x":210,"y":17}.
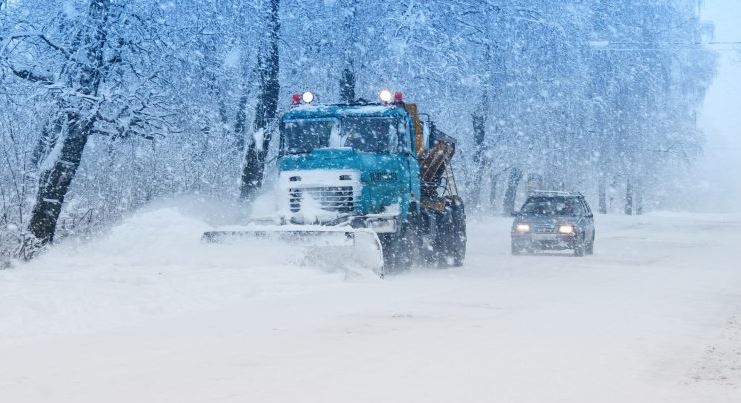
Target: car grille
{"x":544,"y":228}
{"x":340,"y":199}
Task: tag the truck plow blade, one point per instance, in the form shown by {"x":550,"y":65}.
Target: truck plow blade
{"x":324,"y":246}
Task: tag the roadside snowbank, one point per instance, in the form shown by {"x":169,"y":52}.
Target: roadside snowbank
{"x":150,"y":265}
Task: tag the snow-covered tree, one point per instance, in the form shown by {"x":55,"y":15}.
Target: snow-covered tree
{"x":109,"y":104}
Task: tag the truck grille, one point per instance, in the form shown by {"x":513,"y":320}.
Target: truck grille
{"x":338,"y":199}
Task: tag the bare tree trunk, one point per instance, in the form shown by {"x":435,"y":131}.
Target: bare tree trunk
{"x":347,"y":78}
{"x":493,"y":192}
{"x":48,"y":139}
{"x":638,"y":196}
{"x":347,"y":84}
{"x":479,"y":135}
{"x":55,"y":181}
{"x":602,"y":191}
{"x":510,"y":195}
{"x":629,"y":198}
{"x":240,"y":123}
{"x":266,"y":111}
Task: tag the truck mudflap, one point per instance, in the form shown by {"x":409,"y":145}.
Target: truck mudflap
{"x":321,"y":245}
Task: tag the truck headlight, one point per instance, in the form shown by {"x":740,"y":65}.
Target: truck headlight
{"x":385,"y":96}
{"x":522,"y":228}
{"x":566,"y":229}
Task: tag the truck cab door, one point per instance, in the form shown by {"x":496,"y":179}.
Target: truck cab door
{"x":407,"y":146}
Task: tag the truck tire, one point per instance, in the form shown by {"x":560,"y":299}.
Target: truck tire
{"x":442,"y":238}
{"x":411,"y":239}
{"x":449,"y":245}
{"x":401,"y":249}
{"x":459,"y":237}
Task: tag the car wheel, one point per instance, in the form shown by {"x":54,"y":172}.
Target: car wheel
{"x":580,"y":249}
{"x":590,"y":247}
{"x":518,"y":249}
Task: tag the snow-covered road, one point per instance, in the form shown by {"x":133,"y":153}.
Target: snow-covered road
{"x":148,"y":314}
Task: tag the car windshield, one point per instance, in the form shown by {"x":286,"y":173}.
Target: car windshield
{"x":369,"y":134}
{"x":550,"y":206}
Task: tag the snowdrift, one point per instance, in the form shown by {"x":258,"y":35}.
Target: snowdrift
{"x":151,"y":264}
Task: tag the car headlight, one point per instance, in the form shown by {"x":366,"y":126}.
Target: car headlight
{"x":522,"y":228}
{"x":566,"y":229}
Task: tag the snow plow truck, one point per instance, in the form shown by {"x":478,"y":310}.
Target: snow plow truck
{"x":375,"y":176}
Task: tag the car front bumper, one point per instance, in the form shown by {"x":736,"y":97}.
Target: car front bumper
{"x":544,"y":241}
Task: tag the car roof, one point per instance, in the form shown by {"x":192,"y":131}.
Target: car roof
{"x":554,"y":193}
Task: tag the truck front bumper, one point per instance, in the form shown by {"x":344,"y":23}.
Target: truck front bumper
{"x":381,"y":224}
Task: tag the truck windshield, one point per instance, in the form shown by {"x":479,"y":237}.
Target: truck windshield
{"x":369,"y":134}
{"x":555,"y":206}
{"x":302,"y":136}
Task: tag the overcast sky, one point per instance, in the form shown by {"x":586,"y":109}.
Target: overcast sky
{"x":721,"y":118}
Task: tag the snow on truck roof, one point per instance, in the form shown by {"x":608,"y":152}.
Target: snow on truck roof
{"x":305,"y":111}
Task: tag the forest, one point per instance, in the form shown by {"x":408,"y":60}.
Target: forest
{"x":108,"y":105}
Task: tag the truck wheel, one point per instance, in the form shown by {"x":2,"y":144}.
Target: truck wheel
{"x":401,"y":250}
{"x":412,"y":239}
{"x":459,"y":238}
{"x":442,"y":246}
{"x":396,"y":256}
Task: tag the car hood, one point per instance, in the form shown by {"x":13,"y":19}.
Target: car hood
{"x":552,"y":220}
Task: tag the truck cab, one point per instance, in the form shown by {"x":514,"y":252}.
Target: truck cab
{"x":373,"y":166}
{"x":348,"y":161}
